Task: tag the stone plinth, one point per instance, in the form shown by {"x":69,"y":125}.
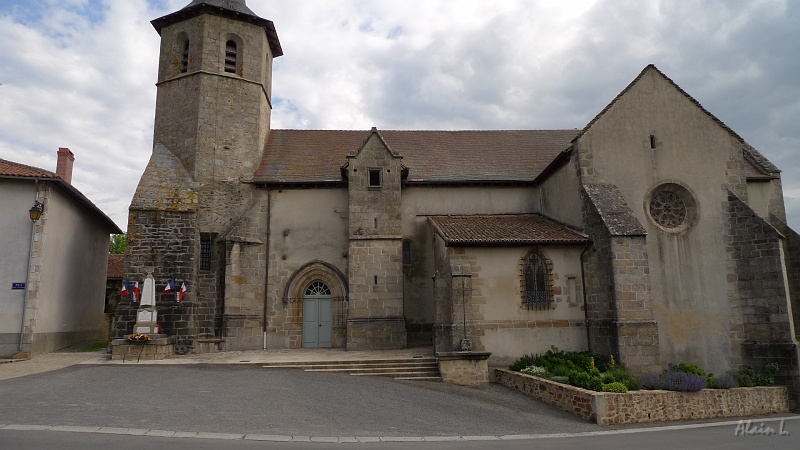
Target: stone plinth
{"x":159,"y":346}
{"x":464,"y":368}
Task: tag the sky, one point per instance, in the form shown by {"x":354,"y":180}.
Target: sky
{"x":81,"y":73}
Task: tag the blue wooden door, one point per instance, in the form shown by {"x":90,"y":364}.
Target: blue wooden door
{"x":317,"y":316}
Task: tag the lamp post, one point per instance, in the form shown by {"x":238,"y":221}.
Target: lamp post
{"x":36,"y":211}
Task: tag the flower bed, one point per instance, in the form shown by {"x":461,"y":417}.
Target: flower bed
{"x":606,"y":408}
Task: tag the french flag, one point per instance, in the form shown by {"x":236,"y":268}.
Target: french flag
{"x":136,"y":291}
{"x":169,"y":287}
{"x":126,"y":286}
{"x":183,"y":292}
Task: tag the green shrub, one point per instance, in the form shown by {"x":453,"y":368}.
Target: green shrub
{"x":615,"y":387}
{"x":608,"y":378}
{"x":579,"y":379}
{"x":560,"y":379}
{"x":562,"y":370}
{"x":749,"y":377}
{"x":595,"y":384}
{"x":521,"y":363}
{"x":726,"y":381}
{"x":621,"y":374}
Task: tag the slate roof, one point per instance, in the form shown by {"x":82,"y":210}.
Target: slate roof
{"x":614,"y":210}
{"x":513,"y":156}
{"x":503,"y":230}
{"x":235,"y":9}
{"x":10,"y":169}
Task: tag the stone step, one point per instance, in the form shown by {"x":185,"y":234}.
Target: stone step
{"x":416,"y":368}
{"x":420,"y":378}
{"x":357,"y":370}
{"x":368,"y":365}
{"x":300,"y":364}
{"x":405,"y":375}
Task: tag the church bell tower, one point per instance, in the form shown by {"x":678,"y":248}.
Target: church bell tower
{"x":213,"y":105}
{"x":215,"y":87}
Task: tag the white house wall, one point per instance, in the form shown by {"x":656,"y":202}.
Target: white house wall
{"x":16,"y":199}
{"x":74,"y":259}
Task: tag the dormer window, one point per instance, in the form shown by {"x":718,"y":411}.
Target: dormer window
{"x":375,"y":178}
{"x":230,"y":57}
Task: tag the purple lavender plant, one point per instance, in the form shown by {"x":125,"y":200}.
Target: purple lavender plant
{"x":673,"y":380}
{"x":652,"y":380}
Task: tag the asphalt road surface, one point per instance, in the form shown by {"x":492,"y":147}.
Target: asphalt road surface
{"x":255,"y":400}
{"x":248,"y":407}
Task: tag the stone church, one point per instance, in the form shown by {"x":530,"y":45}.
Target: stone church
{"x":655,"y":233}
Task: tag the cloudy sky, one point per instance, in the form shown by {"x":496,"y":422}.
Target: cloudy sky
{"x":81,"y":73}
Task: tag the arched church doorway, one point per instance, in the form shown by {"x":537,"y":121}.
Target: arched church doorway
{"x":317,"y":315}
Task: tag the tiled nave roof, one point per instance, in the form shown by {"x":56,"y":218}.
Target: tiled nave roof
{"x":316,"y":156}
{"x":504,"y":229}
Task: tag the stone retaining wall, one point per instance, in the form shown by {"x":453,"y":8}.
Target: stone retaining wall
{"x":605,"y":408}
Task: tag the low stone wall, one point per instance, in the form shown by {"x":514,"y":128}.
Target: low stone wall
{"x":607,"y":408}
{"x":464,"y":368}
{"x":154,"y":349}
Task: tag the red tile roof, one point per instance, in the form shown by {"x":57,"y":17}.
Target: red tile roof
{"x":12,"y":169}
{"x":316,"y":156}
{"x":9,"y":169}
{"x":523,"y":229}
{"x":116,"y":265}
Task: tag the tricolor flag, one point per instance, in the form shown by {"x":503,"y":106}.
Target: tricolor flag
{"x":126,"y":286}
{"x":183,"y":292}
{"x":169,"y":287}
{"x":135,"y":291}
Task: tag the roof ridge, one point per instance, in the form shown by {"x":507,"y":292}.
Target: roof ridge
{"x":564,"y":130}
{"x":670,"y":81}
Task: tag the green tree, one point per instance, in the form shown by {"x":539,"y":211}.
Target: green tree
{"x":118,"y":243}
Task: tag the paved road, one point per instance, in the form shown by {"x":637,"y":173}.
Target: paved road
{"x":721,"y":436}
{"x":255,"y":400}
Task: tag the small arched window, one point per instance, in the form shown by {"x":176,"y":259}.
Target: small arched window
{"x":406,"y":252}
{"x":185,"y":56}
{"x":231,"y":56}
{"x":536,"y":273}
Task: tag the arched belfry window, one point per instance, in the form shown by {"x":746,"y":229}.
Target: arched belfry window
{"x":536,"y":271}
{"x":185,"y":56}
{"x":182,"y":52}
{"x":231,"y":56}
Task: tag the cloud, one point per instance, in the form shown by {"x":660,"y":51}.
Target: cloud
{"x":81,"y":73}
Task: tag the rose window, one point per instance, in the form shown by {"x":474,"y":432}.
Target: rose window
{"x":668,"y":209}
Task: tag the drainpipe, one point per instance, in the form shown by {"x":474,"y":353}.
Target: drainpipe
{"x":266,"y":271}
{"x":585,"y":305}
{"x":28,"y":273}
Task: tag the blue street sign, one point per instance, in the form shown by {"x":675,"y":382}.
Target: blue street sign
{"x":17,"y":286}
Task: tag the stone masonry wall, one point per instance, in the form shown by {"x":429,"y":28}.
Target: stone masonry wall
{"x":619,"y":307}
{"x":375,"y":272}
{"x":645,"y":406}
{"x":165,"y":244}
{"x":761,"y":323}
{"x":637,"y":331}
{"x":599,"y":279}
